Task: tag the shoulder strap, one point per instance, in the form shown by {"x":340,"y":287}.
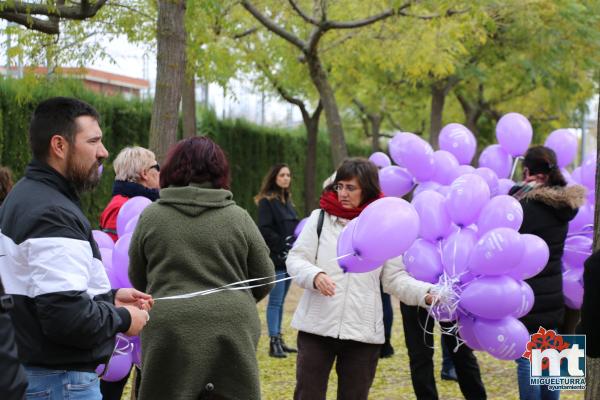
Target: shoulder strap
{"x":320,"y":223}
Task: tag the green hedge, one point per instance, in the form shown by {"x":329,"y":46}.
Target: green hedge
{"x":251,"y":149}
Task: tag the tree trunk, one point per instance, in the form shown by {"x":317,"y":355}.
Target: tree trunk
{"x":188,"y":106}
{"x":339,"y":150}
{"x":438,"y":98}
{"x":169,"y":75}
{"x":375,"y":130}
{"x":310,"y":171}
{"x":472,"y":114}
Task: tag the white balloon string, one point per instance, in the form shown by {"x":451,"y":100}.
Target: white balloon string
{"x":342,"y":257}
{"x":514,"y":167}
{"x":226,"y":287}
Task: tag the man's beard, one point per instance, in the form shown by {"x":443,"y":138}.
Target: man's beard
{"x":81,"y":177}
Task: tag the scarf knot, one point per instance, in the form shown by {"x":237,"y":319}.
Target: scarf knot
{"x":330,"y":203}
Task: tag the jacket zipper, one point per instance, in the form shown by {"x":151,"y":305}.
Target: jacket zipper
{"x":344,"y":306}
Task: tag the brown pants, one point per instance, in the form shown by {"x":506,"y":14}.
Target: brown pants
{"x":356,"y":363}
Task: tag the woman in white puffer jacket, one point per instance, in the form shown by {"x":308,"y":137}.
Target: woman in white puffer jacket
{"x":340,"y":314}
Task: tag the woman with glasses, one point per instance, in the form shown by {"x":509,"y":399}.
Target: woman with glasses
{"x":136,"y":174}
{"x":339,"y":317}
{"x":277,"y":220}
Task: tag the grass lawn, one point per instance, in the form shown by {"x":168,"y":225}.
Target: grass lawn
{"x":392,"y":380}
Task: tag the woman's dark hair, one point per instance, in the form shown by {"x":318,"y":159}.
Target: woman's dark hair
{"x":364,"y":171}
{"x":6,"y":182}
{"x":195,"y":160}
{"x":542,"y":160}
{"x":269,"y":188}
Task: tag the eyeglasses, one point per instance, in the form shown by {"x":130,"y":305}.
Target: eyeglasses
{"x":338,"y":187}
{"x":156,"y":167}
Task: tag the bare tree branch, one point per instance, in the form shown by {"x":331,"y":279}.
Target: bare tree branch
{"x":272,"y":26}
{"x":433,"y":16}
{"x":132,"y":9}
{"x":359,"y":23}
{"x":302,"y":14}
{"x":245,"y":33}
{"x":29,"y":22}
{"x":80,"y":11}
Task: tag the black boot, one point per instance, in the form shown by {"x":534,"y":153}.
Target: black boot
{"x":285,"y":347}
{"x":275,"y":349}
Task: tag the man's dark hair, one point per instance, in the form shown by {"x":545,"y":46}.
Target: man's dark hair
{"x":56,"y":116}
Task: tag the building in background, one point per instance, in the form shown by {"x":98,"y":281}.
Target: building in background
{"x":107,"y":83}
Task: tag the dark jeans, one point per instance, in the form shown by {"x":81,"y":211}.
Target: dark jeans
{"x":275,"y":305}
{"x":420,"y":354}
{"x":356,"y":363}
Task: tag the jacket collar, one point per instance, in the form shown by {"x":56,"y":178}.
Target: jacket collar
{"x":133,"y":189}
{"x":42,"y":172}
{"x":558,"y":197}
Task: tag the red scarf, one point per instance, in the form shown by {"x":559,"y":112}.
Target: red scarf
{"x":330,"y":203}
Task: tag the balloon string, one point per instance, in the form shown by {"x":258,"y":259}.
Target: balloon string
{"x":514,"y":166}
{"x":226,"y":287}
{"x":343,"y":256}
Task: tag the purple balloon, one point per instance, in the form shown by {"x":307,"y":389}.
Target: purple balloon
{"x":417,"y":156}
{"x":497,"y":252}
{"x":456,"y":250}
{"x":443,"y":190}
{"x":106,"y":255}
{"x":514,"y":133}
{"x":119,"y":366}
{"x":446,"y":167}
{"x":466,"y":327}
{"x":352,"y":263}
{"x":435,"y":221}
{"x":576,"y":175}
{"x":501,"y":211}
{"x":588,"y":172}
{"x":458,"y":140}
{"x":130,"y":227}
{"x":423,"y":262}
{"x":497,"y":159}
{"x":577,"y":249}
{"x":136,"y":352}
{"x":380,"y":159}
{"x":490,"y":178}
{"x":527,"y":300}
{"x":100,"y":169}
{"x":535,"y":257}
{"x":103,"y":239}
{"x":492,"y":297}
{"x":504,"y":185}
{"x":382,"y":220}
{"x":465,"y":169}
{"x":573,"y":288}
{"x":132,"y":208}
{"x":423,"y":186}
{"x":468,"y":194}
{"x":584,"y":217}
{"x":395,"y":181}
{"x":505,"y":339}
{"x":564,"y":144}
{"x":591,"y":198}
{"x":120,"y":261}
{"x":300,"y":226}
{"x":398,"y":142}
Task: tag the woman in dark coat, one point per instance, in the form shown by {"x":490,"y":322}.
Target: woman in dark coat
{"x":277,"y":220}
{"x":548,"y":206}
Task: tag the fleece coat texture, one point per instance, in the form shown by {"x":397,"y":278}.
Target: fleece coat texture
{"x":195,"y":238}
{"x":547,"y":211}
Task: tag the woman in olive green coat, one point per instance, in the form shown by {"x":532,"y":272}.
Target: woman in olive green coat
{"x":195,"y":238}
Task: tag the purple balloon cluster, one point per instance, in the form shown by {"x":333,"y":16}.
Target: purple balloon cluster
{"x":115,"y":257}
{"x":469,"y":242}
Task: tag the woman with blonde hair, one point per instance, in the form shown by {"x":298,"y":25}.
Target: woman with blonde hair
{"x":136,"y":174}
{"x":277,"y":220}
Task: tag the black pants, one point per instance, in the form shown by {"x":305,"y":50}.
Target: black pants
{"x":420,"y":354}
{"x":388,"y":314}
{"x":356,"y":363}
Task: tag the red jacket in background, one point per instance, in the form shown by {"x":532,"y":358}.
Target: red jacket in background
{"x":108,"y":218}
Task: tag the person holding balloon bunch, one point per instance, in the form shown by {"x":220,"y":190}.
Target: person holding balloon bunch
{"x":136,"y":174}
{"x":339,"y":317}
{"x":548,"y":206}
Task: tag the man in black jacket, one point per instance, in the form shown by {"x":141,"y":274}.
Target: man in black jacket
{"x":65,"y":314}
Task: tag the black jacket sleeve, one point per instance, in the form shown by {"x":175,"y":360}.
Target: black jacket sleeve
{"x":267,"y":224}
{"x":13,"y":380}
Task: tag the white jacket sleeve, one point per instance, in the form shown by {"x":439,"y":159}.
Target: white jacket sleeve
{"x":301,"y":259}
{"x":398,"y":282}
